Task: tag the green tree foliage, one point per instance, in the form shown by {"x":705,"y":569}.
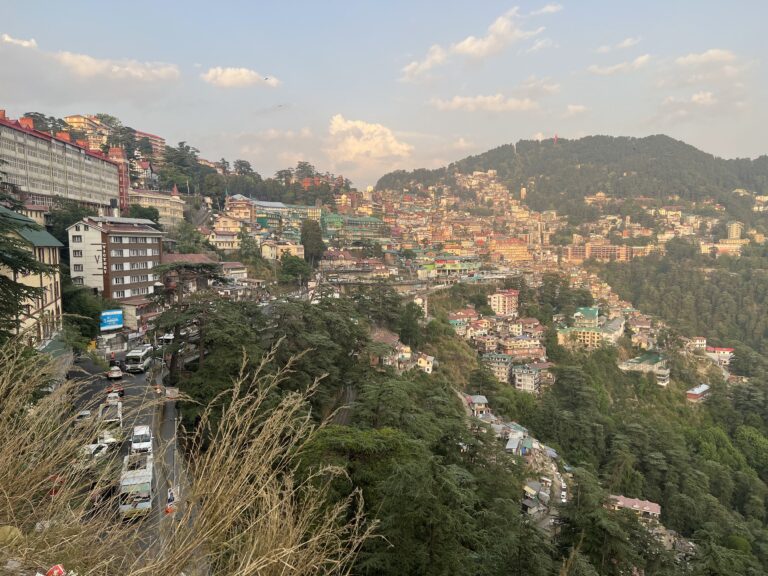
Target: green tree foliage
{"x":410,"y":325}
{"x":294,"y":270}
{"x":146,"y":212}
{"x":63,"y":214}
{"x":312,"y":240}
{"x":188,"y":240}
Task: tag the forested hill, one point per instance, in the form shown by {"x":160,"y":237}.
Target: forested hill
{"x":563,"y":172}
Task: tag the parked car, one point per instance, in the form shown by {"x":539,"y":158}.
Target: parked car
{"x":115,"y":373}
{"x":116,"y":388}
{"x":141,"y":441}
{"x":82,"y":417}
{"x":113,"y":398}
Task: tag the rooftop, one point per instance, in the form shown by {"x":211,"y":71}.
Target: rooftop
{"x":30,"y":231}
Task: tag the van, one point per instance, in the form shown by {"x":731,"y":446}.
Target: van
{"x":141,"y":440}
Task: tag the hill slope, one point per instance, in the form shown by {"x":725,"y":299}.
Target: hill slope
{"x":561,"y":174}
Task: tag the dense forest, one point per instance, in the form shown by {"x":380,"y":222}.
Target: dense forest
{"x":724,"y":299}
{"x":445,"y":496}
{"x":559,"y":174}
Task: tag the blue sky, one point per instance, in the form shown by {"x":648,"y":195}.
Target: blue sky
{"x":364,"y":87}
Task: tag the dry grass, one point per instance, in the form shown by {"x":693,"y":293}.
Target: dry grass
{"x":243,"y":509}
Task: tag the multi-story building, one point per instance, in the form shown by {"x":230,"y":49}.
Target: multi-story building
{"x":500,"y":365}
{"x":115,"y":256}
{"x":41,"y":318}
{"x":272,"y":250}
{"x":504,"y":302}
{"x":735,"y":230}
{"x":170,"y":206}
{"x":527,"y":378}
{"x":44,"y":167}
{"x":353,"y":228}
{"x":117,"y":155}
{"x":157,"y":143}
{"x":96,"y":133}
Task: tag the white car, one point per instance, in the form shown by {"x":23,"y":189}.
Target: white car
{"x":563,"y":497}
{"x":115,"y":373}
{"x":108,"y":437}
{"x":141,"y":441}
{"x":94,"y":451}
{"x":113,"y":398}
{"x":82,"y":417}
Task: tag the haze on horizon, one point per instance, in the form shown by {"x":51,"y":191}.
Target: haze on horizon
{"x":364,"y":88}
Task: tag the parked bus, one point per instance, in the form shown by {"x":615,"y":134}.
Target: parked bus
{"x":137,"y":485}
{"x":139,"y":359}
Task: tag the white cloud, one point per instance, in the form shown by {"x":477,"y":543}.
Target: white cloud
{"x":626,"y":43}
{"x":237,"y":77}
{"x":574,"y":110}
{"x":541,"y":44}
{"x":698,"y":105}
{"x":503,"y":31}
{"x":276,"y":134}
{"x":535,"y":87}
{"x":711,"y":56}
{"x":627,"y":66}
{"x":703,"y":99}
{"x":415,"y":70}
{"x":358,"y":142}
{"x":494,"y":103}
{"x":462,"y":144}
{"x":548,"y":9}
{"x":89,"y":67}
{"x":6,"y":39}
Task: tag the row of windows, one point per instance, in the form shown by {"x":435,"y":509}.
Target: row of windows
{"x":134,"y":252}
{"x":133,"y":240}
{"x":134,"y":292}
{"x":134,"y":279}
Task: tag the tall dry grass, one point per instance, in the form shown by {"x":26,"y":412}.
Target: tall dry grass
{"x":243,"y":508}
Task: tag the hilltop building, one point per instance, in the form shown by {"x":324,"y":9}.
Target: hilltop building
{"x":170,"y":206}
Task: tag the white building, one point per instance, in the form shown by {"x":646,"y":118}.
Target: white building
{"x":44,"y":167}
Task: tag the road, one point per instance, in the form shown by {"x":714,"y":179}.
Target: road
{"x":141,"y":407}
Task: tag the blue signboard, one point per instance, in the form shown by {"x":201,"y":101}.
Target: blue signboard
{"x":111,"y":320}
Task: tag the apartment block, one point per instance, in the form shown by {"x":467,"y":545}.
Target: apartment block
{"x":44,"y":167}
{"x":504,"y":302}
{"x":170,"y":206}
{"x":115,"y":256}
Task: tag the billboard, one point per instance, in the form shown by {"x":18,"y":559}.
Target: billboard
{"x":111,"y":320}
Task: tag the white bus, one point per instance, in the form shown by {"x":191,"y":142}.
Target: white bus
{"x":139,"y":359}
{"x":137,"y":485}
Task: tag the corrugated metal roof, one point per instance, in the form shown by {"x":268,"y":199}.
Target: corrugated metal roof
{"x":29,"y":231}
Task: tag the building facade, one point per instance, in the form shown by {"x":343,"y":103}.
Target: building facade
{"x":504,"y":302}
{"x":115,"y":256}
{"x":157,"y":143}
{"x":169,"y":206}
{"x":41,"y":318}
{"x":44,"y":167}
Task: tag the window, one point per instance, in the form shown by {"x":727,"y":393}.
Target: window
{"x":77,"y":267}
{"x":77,"y":227}
{"x":117,"y":267}
{"x":77,"y":239}
{"x":77,"y":253}
{"x":77,"y":280}
{"x":116,"y":253}
{"x":116,"y":239}
{"x":134,"y":279}
{"x":141,"y":291}
{"x":118,"y":280}
{"x":118,"y":294}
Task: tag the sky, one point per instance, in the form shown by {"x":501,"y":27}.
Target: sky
{"x":361,"y":88}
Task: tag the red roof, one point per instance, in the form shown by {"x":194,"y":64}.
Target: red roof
{"x":16,"y":125}
{"x":715,"y":349}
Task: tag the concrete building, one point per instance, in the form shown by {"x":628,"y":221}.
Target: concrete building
{"x":500,"y":365}
{"x":735,"y":230}
{"x":95,"y":132}
{"x":44,"y":167}
{"x":504,"y":302}
{"x":115,"y":256}
{"x":170,"y":206}
{"x":117,"y":155}
{"x":41,"y":319}
{"x":527,"y":378}
{"x":272,"y":250}
{"x":157,"y":143}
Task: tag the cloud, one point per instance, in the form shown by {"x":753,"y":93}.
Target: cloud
{"x":697,"y":106}
{"x":503,"y":31}
{"x":574,"y":110}
{"x":276,"y":134}
{"x":711,"y":56}
{"x":237,"y":78}
{"x":494,"y":103}
{"x":6,"y":39}
{"x":541,"y":44}
{"x":86,"y":66}
{"x":415,"y":70}
{"x":548,"y":9}
{"x":621,"y":67}
{"x":462,"y":144}
{"x":535,"y":87}
{"x":357,"y":142}
{"x":624,"y":44}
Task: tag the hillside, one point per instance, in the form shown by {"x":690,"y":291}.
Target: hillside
{"x":558,"y":175}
